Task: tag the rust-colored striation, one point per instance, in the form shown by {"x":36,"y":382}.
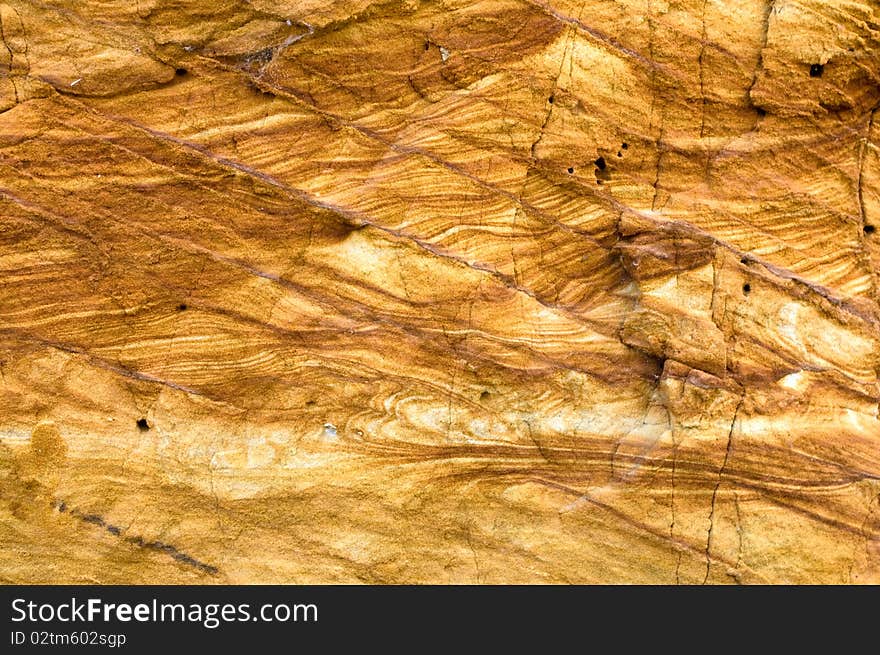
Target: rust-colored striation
{"x":488,"y":291}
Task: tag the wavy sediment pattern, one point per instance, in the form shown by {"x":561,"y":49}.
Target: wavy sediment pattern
{"x":487,"y":291}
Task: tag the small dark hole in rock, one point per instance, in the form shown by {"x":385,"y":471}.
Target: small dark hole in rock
{"x":599,"y":182}
{"x":551,"y":99}
{"x":869,"y":229}
{"x":761,"y":112}
{"x":180,"y":72}
{"x":600,"y":163}
{"x":182,"y":307}
{"x":311,"y":403}
{"x":619,"y":154}
{"x":427,"y":46}
{"x":744,"y":260}
{"x":142,"y":424}
{"x":747,"y":288}
{"x":484,"y":395}
{"x":624,"y":145}
{"x":570,"y":170}
{"x":816,"y":70}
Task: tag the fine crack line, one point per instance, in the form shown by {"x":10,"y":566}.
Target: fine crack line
{"x":361,"y":219}
{"x":675,"y":444}
{"x":581,"y":498}
{"x":721,"y":472}
{"x":864,"y":144}
{"x":702,"y":74}
{"x":759,"y":66}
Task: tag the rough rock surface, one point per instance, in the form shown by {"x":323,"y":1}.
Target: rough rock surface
{"x":458,"y":291}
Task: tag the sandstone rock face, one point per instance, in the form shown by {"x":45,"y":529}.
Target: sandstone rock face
{"x":459,"y":291}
